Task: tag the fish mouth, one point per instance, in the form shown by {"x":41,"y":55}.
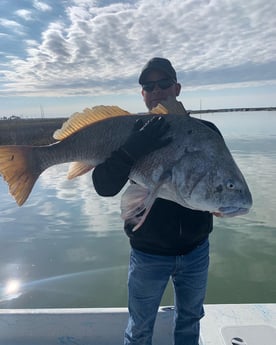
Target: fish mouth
{"x":232,"y":211}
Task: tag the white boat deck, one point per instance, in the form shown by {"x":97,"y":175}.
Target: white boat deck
{"x":225,"y":324}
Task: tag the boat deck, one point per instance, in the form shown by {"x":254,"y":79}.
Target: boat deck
{"x":225,"y":324}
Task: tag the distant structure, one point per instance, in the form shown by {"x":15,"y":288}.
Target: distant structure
{"x":42,"y":115}
{"x":230,"y":110}
{"x":12,"y":117}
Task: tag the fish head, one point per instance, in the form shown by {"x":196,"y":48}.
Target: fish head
{"x":222,"y":194}
{"x":208,"y":184}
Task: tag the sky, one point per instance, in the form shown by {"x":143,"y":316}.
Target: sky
{"x":59,"y":57}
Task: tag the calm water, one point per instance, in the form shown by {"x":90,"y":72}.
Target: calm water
{"x":66,"y":248}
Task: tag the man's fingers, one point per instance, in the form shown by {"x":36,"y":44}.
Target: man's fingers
{"x":138,"y":125}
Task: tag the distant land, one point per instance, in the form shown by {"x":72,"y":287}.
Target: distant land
{"x":39,"y":131}
{"x":205,"y":111}
{"x":36,"y":131}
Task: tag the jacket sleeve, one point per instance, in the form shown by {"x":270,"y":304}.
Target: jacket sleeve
{"x":110,"y":176}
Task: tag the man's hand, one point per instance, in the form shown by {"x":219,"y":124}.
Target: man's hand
{"x":147,"y":137}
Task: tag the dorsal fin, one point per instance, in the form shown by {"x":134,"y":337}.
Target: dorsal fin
{"x":159,"y":109}
{"x":89,"y":115}
{"x":170,"y":106}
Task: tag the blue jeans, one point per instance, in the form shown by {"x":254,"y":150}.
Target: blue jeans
{"x":147,"y":279}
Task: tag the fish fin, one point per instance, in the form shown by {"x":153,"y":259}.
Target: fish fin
{"x":142,"y":218}
{"x":136,"y":203}
{"x":18,"y":170}
{"x":89,"y":115}
{"x":133,"y":201}
{"x":159,"y":109}
{"x":78,"y":169}
{"x":169,"y":106}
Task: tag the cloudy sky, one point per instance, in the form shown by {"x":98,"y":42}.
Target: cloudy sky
{"x":58,"y":57}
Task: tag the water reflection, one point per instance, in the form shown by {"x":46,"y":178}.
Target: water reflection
{"x":81,"y":199}
{"x":66,"y":248}
{"x":11,"y":290}
{"x":76,"y":285}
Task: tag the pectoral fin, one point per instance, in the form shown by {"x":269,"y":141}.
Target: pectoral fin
{"x":136,"y":203}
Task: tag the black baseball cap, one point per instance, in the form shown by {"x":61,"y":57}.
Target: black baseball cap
{"x":160,"y":64}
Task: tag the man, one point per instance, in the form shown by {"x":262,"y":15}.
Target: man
{"x":173,"y":240}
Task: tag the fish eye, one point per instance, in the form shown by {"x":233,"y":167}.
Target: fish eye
{"x":230,"y":184}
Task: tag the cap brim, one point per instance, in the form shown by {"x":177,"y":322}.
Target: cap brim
{"x":147,"y":70}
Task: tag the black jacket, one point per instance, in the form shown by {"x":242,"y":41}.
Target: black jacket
{"x":169,"y":229}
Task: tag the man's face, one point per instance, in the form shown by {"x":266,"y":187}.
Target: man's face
{"x":152,"y":98}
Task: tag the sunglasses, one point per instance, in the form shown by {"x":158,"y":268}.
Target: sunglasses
{"x":162,"y":84}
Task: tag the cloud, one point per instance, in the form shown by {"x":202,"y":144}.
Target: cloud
{"x":9,"y":24}
{"x":100,"y":46}
{"x":41,"y":6}
{"x":25,"y":14}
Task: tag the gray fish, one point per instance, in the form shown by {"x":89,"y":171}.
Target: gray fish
{"x":196,"y":170}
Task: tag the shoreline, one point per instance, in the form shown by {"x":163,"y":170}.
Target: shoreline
{"x":225,"y":110}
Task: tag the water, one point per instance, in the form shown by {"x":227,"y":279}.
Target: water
{"x":66,"y":248}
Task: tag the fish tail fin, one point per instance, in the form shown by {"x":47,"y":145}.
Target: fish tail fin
{"x":18,"y":169}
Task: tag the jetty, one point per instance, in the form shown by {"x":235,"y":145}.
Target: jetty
{"x":206,"y":111}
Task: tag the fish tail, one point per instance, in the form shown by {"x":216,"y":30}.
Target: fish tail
{"x":17,"y":166}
